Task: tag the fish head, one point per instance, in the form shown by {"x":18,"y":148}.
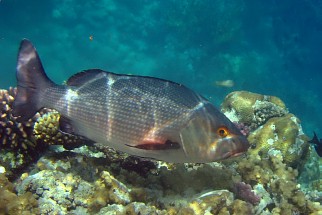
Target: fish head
{"x":211,"y":136}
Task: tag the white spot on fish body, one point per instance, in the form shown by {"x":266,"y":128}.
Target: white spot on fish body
{"x":110,"y":81}
{"x":199,"y":106}
{"x":71,"y":95}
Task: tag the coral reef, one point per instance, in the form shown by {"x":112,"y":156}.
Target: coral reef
{"x":129,"y":192}
{"x":310,"y":178}
{"x":272,"y":127}
{"x":11,"y":203}
{"x":71,"y":185}
{"x":95,"y":179}
{"x":46,"y":130}
{"x":83,"y":183}
{"x":244,"y":129}
{"x":13,"y":134}
{"x":244,"y":191}
{"x":277,"y":183}
{"x":283,"y":134}
{"x":21,"y":143}
{"x":18,"y":146}
{"x":252,"y":109}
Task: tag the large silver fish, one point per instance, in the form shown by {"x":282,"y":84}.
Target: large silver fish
{"x":143,"y":116}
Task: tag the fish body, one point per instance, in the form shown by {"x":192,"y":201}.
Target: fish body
{"x":317,"y":144}
{"x":142,"y":116}
{"x":225,"y":83}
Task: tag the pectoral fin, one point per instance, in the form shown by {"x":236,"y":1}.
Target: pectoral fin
{"x":157,"y":146}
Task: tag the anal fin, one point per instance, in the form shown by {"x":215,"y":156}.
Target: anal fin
{"x":65,"y":126}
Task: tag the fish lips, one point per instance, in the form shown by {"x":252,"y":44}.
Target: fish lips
{"x":229,"y":147}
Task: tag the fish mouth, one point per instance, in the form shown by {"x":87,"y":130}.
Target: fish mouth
{"x":232,"y":154}
{"x":232,"y":147}
{"x":237,"y":154}
{"x":227,"y":155}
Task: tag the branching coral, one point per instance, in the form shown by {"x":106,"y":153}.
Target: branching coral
{"x":40,"y":130}
{"x":13,"y":134}
{"x":265,"y":110}
{"x":18,"y":146}
{"x":22,"y":142}
{"x":279,"y":181}
{"x":46,"y":130}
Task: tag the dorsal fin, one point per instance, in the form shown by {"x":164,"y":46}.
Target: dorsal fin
{"x":84,"y":76}
{"x":315,"y":139}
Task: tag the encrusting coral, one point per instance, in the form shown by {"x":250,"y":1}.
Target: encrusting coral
{"x":65,"y":188}
{"x":80,"y":184}
{"x":279,"y":181}
{"x":271,"y":126}
{"x":252,"y":109}
{"x":12,"y":204}
{"x":283,"y":134}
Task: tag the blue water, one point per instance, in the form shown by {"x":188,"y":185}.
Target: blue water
{"x":268,"y":47}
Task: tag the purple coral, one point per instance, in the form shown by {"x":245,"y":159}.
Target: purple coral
{"x":243,"y":128}
{"x":244,"y":192}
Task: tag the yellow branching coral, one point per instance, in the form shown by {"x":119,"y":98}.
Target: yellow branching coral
{"x":46,"y":129}
{"x":47,"y":126}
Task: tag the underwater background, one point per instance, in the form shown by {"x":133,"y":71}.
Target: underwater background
{"x":267,"y":47}
{"x":233,"y":52}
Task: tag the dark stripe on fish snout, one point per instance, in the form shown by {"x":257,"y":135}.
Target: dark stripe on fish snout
{"x":158,"y":146}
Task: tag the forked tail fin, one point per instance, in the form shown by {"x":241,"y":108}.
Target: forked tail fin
{"x":32,"y":81}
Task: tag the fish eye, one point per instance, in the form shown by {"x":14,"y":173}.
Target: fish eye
{"x":222,"y":131}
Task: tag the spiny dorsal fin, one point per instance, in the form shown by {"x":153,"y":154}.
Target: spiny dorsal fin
{"x":82,"y":77}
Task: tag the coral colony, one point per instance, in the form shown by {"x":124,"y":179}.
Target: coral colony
{"x":97,"y":180}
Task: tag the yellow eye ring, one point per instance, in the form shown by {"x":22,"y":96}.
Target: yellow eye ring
{"x":222,"y":132}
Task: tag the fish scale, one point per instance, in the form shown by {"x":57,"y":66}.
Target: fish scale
{"x":142,"y":116}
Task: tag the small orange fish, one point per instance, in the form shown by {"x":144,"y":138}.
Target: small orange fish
{"x":225,"y":83}
{"x":91,"y":37}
